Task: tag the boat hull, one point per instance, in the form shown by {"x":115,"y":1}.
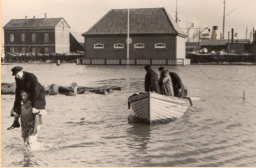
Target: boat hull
{"x":154,"y":107}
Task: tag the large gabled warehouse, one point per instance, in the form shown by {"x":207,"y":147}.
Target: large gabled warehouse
{"x":153,"y":36}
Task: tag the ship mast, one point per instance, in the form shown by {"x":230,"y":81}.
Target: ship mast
{"x":176,"y":11}
{"x":223,"y":31}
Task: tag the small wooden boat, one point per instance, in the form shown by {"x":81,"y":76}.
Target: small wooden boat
{"x":153,"y":107}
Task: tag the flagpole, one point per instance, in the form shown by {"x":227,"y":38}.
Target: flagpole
{"x":128,"y":36}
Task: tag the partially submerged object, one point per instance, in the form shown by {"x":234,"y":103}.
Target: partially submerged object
{"x":9,"y":88}
{"x":154,"y":108}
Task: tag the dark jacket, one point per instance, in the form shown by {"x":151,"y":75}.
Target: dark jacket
{"x":177,"y":84}
{"x":151,"y":81}
{"x":30,"y":84}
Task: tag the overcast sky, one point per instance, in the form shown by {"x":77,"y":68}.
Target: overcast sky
{"x":82,"y":14}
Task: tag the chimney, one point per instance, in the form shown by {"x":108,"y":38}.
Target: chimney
{"x":45,"y":16}
{"x":26,"y":17}
{"x":34,"y":17}
{"x":232,"y":35}
{"x":214,"y":32}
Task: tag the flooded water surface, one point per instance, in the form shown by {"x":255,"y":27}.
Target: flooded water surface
{"x":92,"y":129}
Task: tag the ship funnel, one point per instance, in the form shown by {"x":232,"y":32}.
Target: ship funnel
{"x":214,"y":32}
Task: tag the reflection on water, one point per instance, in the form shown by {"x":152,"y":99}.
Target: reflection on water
{"x":93,"y":130}
{"x":139,"y":134}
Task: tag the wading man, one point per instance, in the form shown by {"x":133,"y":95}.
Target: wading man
{"x":27,"y":82}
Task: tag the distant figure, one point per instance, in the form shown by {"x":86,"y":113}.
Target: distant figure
{"x":30,"y":122}
{"x":151,"y":80}
{"x":28,"y":82}
{"x":178,"y":87}
{"x":165,"y":83}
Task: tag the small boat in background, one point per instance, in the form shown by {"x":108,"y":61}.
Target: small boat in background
{"x":153,"y":107}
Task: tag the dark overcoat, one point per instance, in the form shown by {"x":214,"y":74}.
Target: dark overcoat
{"x":151,"y":81}
{"x":30,"y":84}
{"x":177,"y":84}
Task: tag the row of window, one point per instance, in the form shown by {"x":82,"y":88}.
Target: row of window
{"x":33,"y":36}
{"x":34,"y":50}
{"x":137,"y":45}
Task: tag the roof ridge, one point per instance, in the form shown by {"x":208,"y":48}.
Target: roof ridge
{"x":37,"y":22}
{"x":139,"y":8}
{"x":38,"y":18}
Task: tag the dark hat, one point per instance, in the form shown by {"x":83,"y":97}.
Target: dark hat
{"x":161,"y":68}
{"x":15,"y":70}
{"x":147,"y":67}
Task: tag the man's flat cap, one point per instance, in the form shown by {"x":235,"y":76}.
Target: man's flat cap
{"x":15,"y":70}
{"x":147,"y":67}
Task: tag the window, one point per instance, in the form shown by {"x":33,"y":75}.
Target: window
{"x":98,"y":46}
{"x":118,"y":45}
{"x":23,"y":37}
{"x":23,"y":49}
{"x":12,"y":50}
{"x":11,"y":37}
{"x":33,"y":50}
{"x":33,"y":37}
{"x":46,"y":37}
{"x":139,"y":45}
{"x":160,"y":45}
{"x":46,"y":50}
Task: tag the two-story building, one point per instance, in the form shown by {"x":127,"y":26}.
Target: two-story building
{"x":37,"y":35}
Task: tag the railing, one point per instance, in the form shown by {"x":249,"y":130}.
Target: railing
{"x":84,"y":61}
{"x":42,"y":58}
{"x":81,"y":60}
{"x":223,"y":59}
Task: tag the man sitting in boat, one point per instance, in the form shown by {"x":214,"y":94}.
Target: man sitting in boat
{"x":165,"y":83}
{"x":178,"y":87}
{"x":151,"y":80}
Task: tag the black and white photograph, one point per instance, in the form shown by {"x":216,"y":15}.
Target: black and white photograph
{"x":128,"y":83}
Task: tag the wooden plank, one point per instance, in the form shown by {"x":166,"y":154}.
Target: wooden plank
{"x":166,"y":111}
{"x":140,"y":103}
{"x":136,"y":110}
{"x":167,"y":115}
{"x":168,"y":98}
{"x":170,"y":105}
{"x":166,"y":108}
{"x":172,"y":99}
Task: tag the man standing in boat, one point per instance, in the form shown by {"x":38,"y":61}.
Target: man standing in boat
{"x":28,"y":82}
{"x":178,"y":86}
{"x":151,"y":80}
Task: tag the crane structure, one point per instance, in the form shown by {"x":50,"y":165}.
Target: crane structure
{"x":198,"y":33}
{"x":188,"y":27}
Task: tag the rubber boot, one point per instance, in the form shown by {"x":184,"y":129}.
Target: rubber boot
{"x":15,"y":124}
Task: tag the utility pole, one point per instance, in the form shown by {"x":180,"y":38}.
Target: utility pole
{"x":228,"y":43}
{"x":223,"y":20}
{"x":246,"y":32}
{"x":176,"y":11}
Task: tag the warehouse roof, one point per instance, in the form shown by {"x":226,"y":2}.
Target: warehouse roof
{"x":141,"y":21}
